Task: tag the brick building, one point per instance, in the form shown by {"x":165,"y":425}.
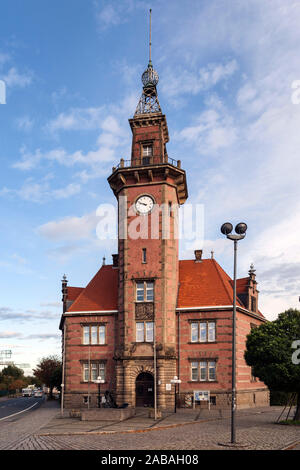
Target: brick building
{"x":149,"y":315}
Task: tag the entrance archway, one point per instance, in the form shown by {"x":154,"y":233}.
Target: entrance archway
{"x":144,"y":389}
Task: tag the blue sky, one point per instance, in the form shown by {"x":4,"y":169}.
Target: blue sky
{"x":72,"y":71}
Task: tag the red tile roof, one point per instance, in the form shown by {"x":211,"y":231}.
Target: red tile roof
{"x":73,"y":292}
{"x":203,"y":284}
{"x":100,"y":294}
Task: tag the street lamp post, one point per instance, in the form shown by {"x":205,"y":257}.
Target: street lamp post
{"x":175,"y":381}
{"x":240,"y":230}
{"x":99,"y":381}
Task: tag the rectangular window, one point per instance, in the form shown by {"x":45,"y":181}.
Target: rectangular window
{"x":194,"y":332}
{"x":94,"y":371}
{"x":194,"y":371}
{"x":94,"y":334}
{"x":203,"y":332}
{"x":86,"y":335}
{"x":144,"y":332}
{"x":102,"y":370}
{"x":140,"y":332}
{"x":203,"y":336}
{"x":147,"y":150}
{"x":144,"y":255}
{"x":149,"y":331}
{"x":149,"y":291}
{"x":140,"y":291}
{"x":212,"y":370}
{"x":211,"y":331}
{"x":145,"y":291}
{"x":97,"y":369}
{"x":203,"y":371}
{"x":102,"y":334}
{"x":86,"y":374}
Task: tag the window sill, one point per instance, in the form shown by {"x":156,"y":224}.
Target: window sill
{"x":144,"y":342}
{"x":202,"y":381}
{"x":94,"y":344}
{"x":92,"y":382}
{"x":202,"y":342}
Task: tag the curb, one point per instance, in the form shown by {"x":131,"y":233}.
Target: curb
{"x":291,"y":445}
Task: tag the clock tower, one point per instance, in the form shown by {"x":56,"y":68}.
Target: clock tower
{"x":149,"y":188}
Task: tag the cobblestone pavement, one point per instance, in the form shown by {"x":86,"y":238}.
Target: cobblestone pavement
{"x":255,"y":430}
{"x":20,"y":427}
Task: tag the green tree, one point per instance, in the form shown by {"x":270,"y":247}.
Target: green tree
{"x":269,"y":352}
{"x":10,"y":375}
{"x":46,"y":372}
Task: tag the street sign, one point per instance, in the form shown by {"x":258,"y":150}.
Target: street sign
{"x":202,"y":395}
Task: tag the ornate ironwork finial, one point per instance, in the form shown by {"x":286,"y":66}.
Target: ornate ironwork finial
{"x":251,"y":270}
{"x":148,"y":102}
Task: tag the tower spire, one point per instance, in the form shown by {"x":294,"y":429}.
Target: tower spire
{"x":148,"y":102}
{"x":150,"y":38}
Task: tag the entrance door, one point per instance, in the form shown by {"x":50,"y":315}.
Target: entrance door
{"x":144,"y":389}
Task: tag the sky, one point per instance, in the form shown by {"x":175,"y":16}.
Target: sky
{"x":229,"y":72}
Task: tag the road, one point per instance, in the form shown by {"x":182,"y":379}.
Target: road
{"x":21,"y":417}
{"x":16,"y":407}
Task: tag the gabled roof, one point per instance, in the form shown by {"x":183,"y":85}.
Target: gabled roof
{"x":242,"y":285}
{"x":100,"y":294}
{"x":73,"y":292}
{"x":203,"y":284}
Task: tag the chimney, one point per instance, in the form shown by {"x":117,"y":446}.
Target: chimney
{"x":198,"y":256}
{"x":115,"y":261}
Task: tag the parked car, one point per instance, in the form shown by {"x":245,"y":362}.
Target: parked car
{"x":38,"y":393}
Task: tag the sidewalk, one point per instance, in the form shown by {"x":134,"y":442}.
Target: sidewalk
{"x":141,"y":422}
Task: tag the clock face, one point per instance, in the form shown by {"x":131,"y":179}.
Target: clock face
{"x":144,"y":204}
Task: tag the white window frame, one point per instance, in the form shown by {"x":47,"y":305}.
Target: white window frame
{"x":96,"y":369}
{"x":144,"y":332}
{"x":197,"y":327}
{"x":205,"y":366}
{"x":94,"y":335}
{"x":147,"y":290}
{"x":147,"y":150}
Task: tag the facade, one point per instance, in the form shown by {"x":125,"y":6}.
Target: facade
{"x":149,"y":316}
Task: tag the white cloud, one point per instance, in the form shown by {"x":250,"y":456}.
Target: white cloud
{"x":212,"y":130}
{"x":24,"y":123}
{"x":109,"y":14}
{"x":77,"y":119}
{"x":70,"y":228}
{"x":183,"y":80}
{"x":41,"y":192}
{"x":13,"y":78}
{"x":9,"y":334}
